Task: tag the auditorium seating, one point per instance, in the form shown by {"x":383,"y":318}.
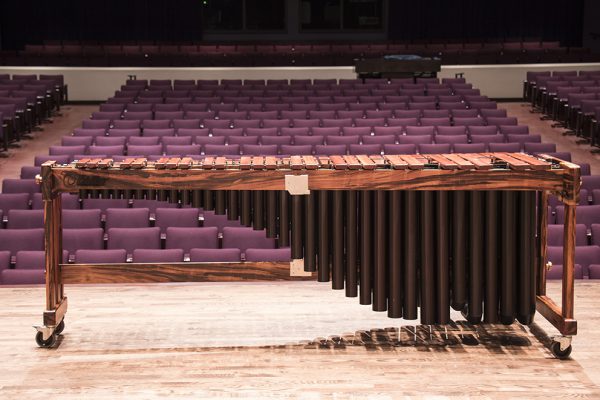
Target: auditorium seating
{"x":286,"y":54}
{"x":571,"y":98}
{"x":26,"y":101}
{"x":260,"y":118}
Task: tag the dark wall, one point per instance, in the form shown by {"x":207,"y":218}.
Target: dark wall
{"x":486,"y":19}
{"x":33,"y":21}
{"x":591,"y":28}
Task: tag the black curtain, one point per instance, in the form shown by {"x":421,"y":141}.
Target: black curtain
{"x":34,"y":21}
{"x":489,"y":20}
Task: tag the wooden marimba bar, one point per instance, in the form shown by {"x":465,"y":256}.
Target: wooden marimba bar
{"x":401,"y":232}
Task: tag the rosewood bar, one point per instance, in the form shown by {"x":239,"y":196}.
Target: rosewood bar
{"x":400,"y":232}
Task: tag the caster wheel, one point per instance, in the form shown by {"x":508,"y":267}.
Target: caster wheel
{"x":39,"y":339}
{"x":60,"y":328}
{"x":558,"y":353}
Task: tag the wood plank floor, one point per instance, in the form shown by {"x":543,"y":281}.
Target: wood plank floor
{"x":256,"y":340}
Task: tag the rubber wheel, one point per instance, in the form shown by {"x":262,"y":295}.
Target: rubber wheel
{"x":60,"y":328}
{"x":39,"y":339}
{"x":558,"y":353}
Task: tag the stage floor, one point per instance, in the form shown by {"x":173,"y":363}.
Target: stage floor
{"x":256,"y":340}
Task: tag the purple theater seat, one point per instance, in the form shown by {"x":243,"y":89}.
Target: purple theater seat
{"x":176,"y":217}
{"x":487,"y":139}
{"x":365,"y":149}
{"x":144,"y":151}
{"x":152,"y":205}
{"x":104,"y":204}
{"x":127,"y":218}
{"x":34,"y":259}
{"x":309,"y":140}
{"x":114,"y":140}
{"x":115,"y":256}
{"x":514,"y":129}
{"x":416,"y":140}
{"x":130,"y":124}
{"x":587,"y":215}
{"x":262,"y":255}
{"x":391,"y":149}
{"x":23,"y":277}
{"x":173,"y":140}
{"x":124,"y":132}
{"x":215,"y":255}
{"x":159,"y":132}
{"x":556,"y":235}
{"x":221,"y":150}
{"x":537,"y":148}
{"x":434,"y":148}
{"x":331,"y":150}
{"x":468,"y":148}
{"x":14,"y":201}
{"x":95,"y":124}
{"x":15,"y":240}
{"x":299,"y":150}
{"x":562,"y":155}
{"x":345,"y":140}
{"x":39,"y":160}
{"x":218,"y":221}
{"x":109,"y":151}
{"x":83,"y":239}
{"x":451,"y":139}
{"x":483,"y":130}
{"x":590,"y":183}
{"x":243,"y":140}
{"x":4,"y":261}
{"x":157,"y":256}
{"x":244,"y":237}
{"x":189,"y":238}
{"x":451,"y":130}
{"x":69,"y":201}
{"x":505,"y":147}
{"x":20,"y":186}
{"x":85,"y":141}
{"x":25,"y":219}
{"x":81,"y":219}
{"x":260,"y":150}
{"x":133,"y":238}
{"x":183,"y":150}
{"x":556,"y":271}
{"x":379,"y":139}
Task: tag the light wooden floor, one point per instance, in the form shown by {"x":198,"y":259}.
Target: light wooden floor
{"x":255,"y":340}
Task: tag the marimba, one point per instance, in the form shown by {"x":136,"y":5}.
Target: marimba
{"x":401,"y":232}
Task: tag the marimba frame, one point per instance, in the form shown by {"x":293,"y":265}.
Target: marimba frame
{"x":562,"y":181}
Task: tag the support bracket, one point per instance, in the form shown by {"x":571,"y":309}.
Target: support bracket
{"x":297,"y":268}
{"x":297,"y":184}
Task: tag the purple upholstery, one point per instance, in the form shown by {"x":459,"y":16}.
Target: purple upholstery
{"x":587,"y":215}
{"x":104,"y":204}
{"x":243,"y":238}
{"x":25,"y":219}
{"x":189,"y":238}
{"x":127,"y":218}
{"x":505,"y":147}
{"x":215,"y":255}
{"x":133,"y":150}
{"x":23,"y":277}
{"x":469,"y":148}
{"x":157,"y":256}
{"x":86,"y":239}
{"x":15,"y":240}
{"x":20,"y":186}
{"x":556,"y":235}
{"x":258,"y":255}
{"x":116,"y":256}
{"x":14,"y":201}
{"x":176,"y":217}
{"x":133,"y":238}
{"x":391,"y":149}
